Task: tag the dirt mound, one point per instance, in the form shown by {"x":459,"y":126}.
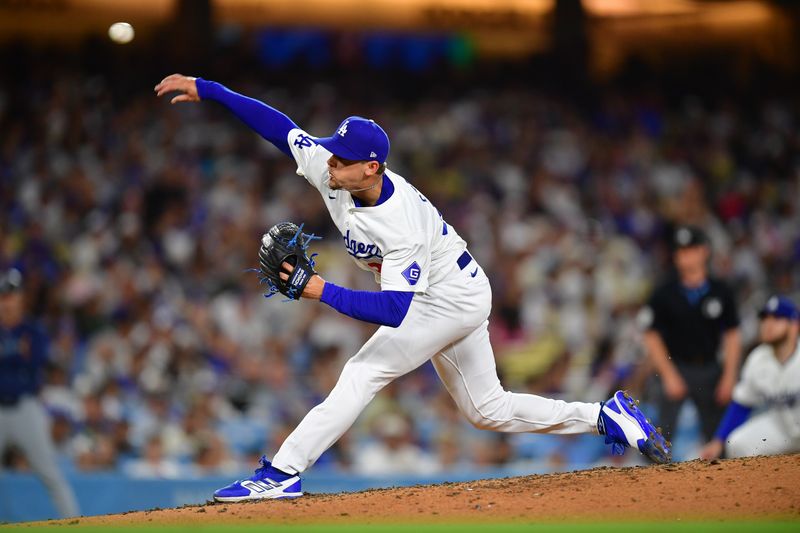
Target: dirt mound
{"x":754,"y":488}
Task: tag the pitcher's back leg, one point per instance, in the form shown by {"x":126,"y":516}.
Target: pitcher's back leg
{"x":467,"y":369}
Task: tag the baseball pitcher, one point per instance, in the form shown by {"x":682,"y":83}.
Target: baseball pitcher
{"x":433,"y":303}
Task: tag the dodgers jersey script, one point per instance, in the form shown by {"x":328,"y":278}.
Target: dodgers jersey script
{"x":403,"y":241}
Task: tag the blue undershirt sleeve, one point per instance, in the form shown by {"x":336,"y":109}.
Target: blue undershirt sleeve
{"x":735,"y":416}
{"x":387,"y":308}
{"x":268,"y":122}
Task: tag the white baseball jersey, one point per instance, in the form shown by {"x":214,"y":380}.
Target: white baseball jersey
{"x":404,"y":241}
{"x":773,"y":386}
{"x":408,"y":247}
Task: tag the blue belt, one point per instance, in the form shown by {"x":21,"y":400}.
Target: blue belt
{"x":464,"y":260}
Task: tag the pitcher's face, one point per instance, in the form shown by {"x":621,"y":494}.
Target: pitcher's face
{"x":348,"y":175}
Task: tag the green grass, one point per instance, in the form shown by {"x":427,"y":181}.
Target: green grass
{"x":648,"y":527}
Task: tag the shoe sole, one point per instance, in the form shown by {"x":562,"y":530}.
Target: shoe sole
{"x":283,"y":496}
{"x":655,"y":447}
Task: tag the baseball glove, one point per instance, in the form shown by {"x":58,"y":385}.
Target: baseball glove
{"x":285,"y":242}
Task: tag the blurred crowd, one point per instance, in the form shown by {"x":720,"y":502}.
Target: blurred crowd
{"x":134,"y":223}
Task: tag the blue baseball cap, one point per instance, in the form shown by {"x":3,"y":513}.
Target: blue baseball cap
{"x":359,"y":139}
{"x":780,"y":307}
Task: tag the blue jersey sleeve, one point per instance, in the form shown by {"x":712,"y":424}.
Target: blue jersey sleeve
{"x":387,"y":308}
{"x":735,"y":416}
{"x":268,"y":122}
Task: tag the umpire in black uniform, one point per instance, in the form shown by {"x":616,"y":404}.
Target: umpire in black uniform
{"x":689,"y":317}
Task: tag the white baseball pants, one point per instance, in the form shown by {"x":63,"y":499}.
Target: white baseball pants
{"x":447,"y":324}
{"x":764,"y":434}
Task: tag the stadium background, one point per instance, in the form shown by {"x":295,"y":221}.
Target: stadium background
{"x":562,"y":139}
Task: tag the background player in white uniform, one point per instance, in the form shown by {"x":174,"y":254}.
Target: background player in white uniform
{"x":770,"y":384}
{"x":433,"y":304}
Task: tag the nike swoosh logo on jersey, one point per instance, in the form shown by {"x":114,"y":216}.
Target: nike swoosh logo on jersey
{"x":473,"y":274}
{"x":332,"y":197}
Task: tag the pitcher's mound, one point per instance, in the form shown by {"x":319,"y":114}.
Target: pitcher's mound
{"x":754,"y":488}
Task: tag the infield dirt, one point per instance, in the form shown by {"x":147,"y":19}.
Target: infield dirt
{"x":757,"y":488}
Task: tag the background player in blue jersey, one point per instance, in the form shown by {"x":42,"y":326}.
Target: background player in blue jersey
{"x":24,"y":423}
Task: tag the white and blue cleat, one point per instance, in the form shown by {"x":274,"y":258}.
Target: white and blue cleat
{"x":268,"y":483}
{"x":625,"y":426}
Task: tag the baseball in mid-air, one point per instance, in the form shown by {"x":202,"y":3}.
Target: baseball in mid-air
{"x":121,"y":32}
